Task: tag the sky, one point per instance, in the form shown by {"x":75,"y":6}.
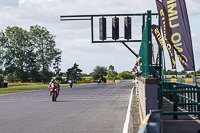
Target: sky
{"x":74,"y":37}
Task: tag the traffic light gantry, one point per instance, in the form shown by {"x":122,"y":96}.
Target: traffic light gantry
{"x":103,"y":38}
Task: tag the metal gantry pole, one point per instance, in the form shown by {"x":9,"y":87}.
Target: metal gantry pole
{"x":149,"y":45}
{"x":130,"y":49}
{"x":92,"y":29}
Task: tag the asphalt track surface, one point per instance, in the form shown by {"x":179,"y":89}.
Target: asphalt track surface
{"x":96,"y":108}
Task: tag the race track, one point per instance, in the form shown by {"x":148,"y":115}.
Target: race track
{"x":94,"y":108}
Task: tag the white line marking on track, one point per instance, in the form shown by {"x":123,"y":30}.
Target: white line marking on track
{"x":125,"y":128}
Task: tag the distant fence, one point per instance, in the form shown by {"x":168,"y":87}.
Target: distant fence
{"x":110,"y":81}
{"x":124,"y":81}
{"x":182,"y":80}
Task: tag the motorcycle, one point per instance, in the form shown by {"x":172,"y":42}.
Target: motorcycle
{"x":53,"y":92}
{"x":70,"y":83}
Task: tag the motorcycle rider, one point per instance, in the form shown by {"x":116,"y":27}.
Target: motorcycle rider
{"x":99,"y":80}
{"x":58,"y":87}
{"x":70,"y":81}
{"x":55,"y":84}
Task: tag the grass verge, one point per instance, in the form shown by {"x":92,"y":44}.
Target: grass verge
{"x":22,"y":88}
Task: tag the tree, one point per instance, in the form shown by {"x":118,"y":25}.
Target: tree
{"x":57,"y":69}
{"x":56,"y":65}
{"x":11,"y":77}
{"x":198,"y":71}
{"x":34,"y":70}
{"x":169,"y":72}
{"x":74,"y":72}
{"x":45,"y":50}
{"x":3,"y":40}
{"x":28,"y":54}
{"x":112,"y":74}
{"x":111,"y":68}
{"x":99,"y":72}
{"x":188,"y":75}
{"x":1,"y":78}
{"x":16,"y":47}
{"x":182,"y":72}
{"x":125,"y":75}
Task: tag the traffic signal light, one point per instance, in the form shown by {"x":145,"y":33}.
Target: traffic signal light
{"x":127,"y":27}
{"x":115,"y":28}
{"x":102,"y":28}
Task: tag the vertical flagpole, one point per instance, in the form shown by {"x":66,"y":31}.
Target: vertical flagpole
{"x":195,"y":77}
{"x":163,"y":67}
{"x":161,"y":57}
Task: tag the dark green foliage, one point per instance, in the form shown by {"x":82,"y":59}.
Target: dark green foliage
{"x":198,"y":71}
{"x":59,"y":78}
{"x":99,"y":72}
{"x":45,"y":48}
{"x":47,"y":76}
{"x":2,"y":72}
{"x":126,"y":75}
{"x":112,"y":74}
{"x":56,"y":65}
{"x":74,"y":73}
{"x":170,"y":72}
{"x":1,"y":78}
{"x":188,"y":75}
{"x":11,"y":77}
{"x":28,"y":54}
{"x":15,"y":49}
{"x":182,"y":72}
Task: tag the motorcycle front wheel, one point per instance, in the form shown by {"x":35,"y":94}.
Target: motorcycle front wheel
{"x":53,"y":97}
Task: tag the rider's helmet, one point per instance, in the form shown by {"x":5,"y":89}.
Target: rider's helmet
{"x":70,"y":78}
{"x":52,"y":80}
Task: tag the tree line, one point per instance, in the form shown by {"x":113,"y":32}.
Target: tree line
{"x":110,"y":74}
{"x":170,"y":72}
{"x":99,"y":72}
{"x":27,"y":55}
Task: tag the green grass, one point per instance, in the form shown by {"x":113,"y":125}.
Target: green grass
{"x":22,"y":88}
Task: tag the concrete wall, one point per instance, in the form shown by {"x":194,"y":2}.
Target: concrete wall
{"x":110,"y":81}
{"x":147,"y":95}
{"x":125,"y":81}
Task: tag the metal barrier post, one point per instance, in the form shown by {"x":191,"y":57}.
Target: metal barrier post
{"x":160,"y":96}
{"x":175,"y":105}
{"x":198,"y":100}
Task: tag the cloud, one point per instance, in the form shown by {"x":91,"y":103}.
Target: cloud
{"x":195,"y":35}
{"x":74,"y":37}
{"x":8,"y":3}
{"x":193,"y":7}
